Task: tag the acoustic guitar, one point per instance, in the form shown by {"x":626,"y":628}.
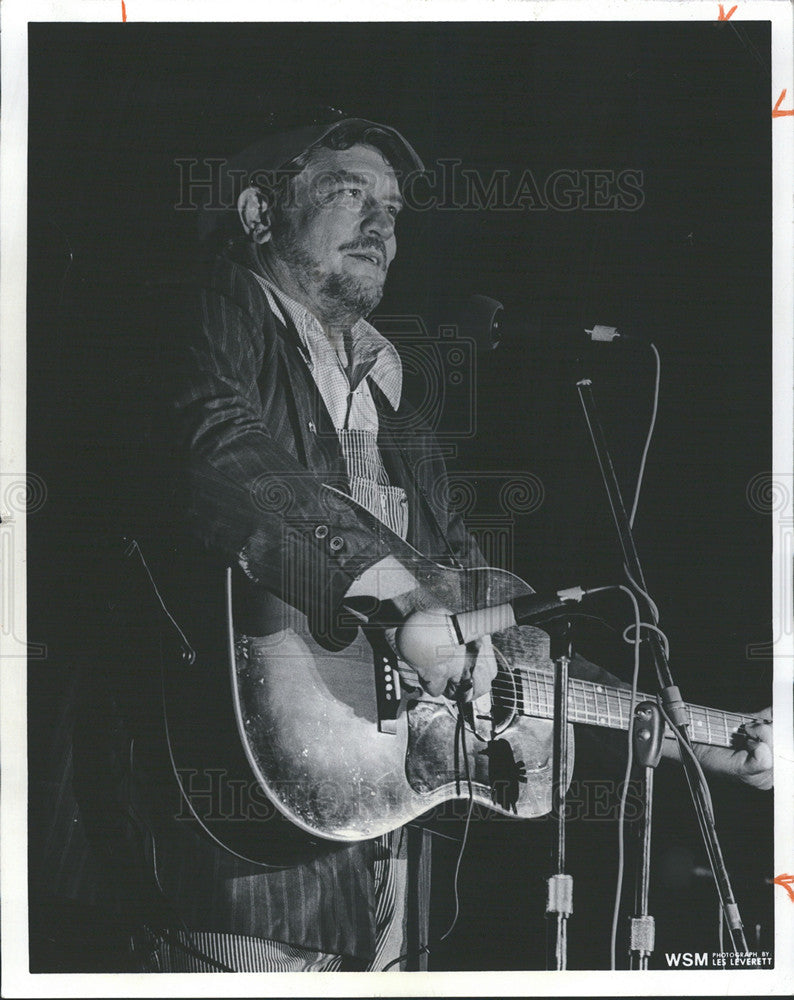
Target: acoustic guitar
{"x":336,"y":746}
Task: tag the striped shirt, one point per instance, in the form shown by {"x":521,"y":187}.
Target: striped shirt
{"x":178,"y":950}
{"x":343,"y":388}
{"x":346,"y":393}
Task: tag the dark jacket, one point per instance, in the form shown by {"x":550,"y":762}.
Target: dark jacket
{"x":259,"y":447}
{"x":256,"y":448}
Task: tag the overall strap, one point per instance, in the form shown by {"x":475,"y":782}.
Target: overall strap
{"x":403,"y":470}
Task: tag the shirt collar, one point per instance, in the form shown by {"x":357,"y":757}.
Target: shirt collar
{"x":366,"y":341}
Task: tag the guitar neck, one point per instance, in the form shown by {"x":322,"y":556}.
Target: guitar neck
{"x":609,"y":707}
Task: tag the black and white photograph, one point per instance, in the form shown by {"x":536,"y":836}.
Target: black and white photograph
{"x":400,"y":506}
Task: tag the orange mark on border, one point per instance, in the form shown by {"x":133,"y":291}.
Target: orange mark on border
{"x":776,"y":112}
{"x":723,"y":16}
{"x":786,"y":880}
{"x":123,"y":11}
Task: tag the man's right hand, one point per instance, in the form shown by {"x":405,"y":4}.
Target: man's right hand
{"x":427,"y":643}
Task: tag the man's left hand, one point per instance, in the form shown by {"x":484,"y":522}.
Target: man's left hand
{"x":752,"y":764}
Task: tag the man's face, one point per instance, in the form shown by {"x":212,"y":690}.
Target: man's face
{"x":335,"y":234}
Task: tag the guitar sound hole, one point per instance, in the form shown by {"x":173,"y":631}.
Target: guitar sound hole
{"x":505,"y":696}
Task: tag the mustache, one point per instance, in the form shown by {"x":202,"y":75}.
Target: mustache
{"x":367,"y":243}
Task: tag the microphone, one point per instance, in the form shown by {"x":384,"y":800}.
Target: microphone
{"x":426,"y":635}
{"x":525,"y":610}
{"x":507,"y":327}
{"x":475,"y":317}
{"x":483,"y":320}
{"x":611,"y":335}
{"x":503,"y":326}
{"x":485,"y":314}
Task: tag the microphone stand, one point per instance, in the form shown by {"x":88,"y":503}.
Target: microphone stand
{"x":559,"y":886}
{"x":647,"y":737}
{"x":672,"y":704}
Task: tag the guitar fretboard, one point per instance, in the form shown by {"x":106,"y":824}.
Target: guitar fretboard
{"x":598,"y":705}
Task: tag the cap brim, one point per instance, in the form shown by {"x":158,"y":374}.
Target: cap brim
{"x":277,"y":151}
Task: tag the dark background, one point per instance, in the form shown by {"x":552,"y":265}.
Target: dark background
{"x":112,"y":107}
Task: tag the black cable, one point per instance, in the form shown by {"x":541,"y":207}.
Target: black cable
{"x":133,"y":546}
{"x":463,"y":748}
{"x":456,"y":751}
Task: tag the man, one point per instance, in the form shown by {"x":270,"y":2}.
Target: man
{"x":286,"y":385}
{"x":286,"y":390}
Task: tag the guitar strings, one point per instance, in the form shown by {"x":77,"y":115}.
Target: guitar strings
{"x":509,"y":688}
{"x":513,"y":692}
{"x":541,"y":690}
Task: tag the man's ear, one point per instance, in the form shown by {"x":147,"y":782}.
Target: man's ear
{"x":254,"y":211}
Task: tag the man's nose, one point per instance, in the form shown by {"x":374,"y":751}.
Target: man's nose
{"x":378,"y":220}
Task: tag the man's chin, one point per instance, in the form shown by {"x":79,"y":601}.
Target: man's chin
{"x":357,"y":295}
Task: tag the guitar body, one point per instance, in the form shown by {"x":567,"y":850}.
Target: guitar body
{"x":275,"y":743}
{"x":309,"y":725}
{"x":205,"y":778}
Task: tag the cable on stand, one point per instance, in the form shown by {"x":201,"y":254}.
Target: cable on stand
{"x":647,"y":737}
{"x":671,"y":703}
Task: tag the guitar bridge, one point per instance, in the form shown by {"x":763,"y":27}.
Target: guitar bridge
{"x":388,"y":692}
{"x":387,"y":688}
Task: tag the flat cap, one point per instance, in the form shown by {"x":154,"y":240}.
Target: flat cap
{"x":276,"y":151}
